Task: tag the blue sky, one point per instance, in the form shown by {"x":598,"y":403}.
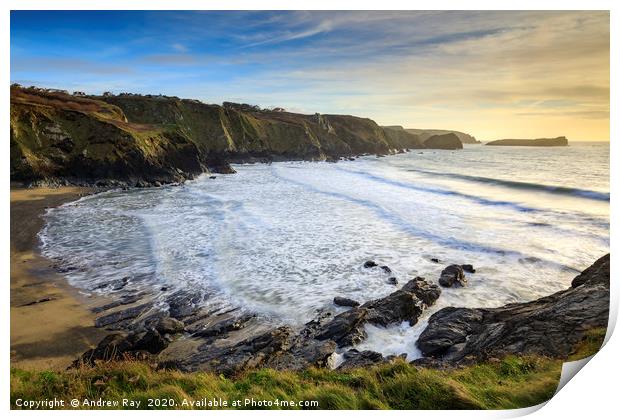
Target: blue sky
{"x":493,"y":74}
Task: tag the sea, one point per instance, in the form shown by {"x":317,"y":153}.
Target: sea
{"x":282,"y":240}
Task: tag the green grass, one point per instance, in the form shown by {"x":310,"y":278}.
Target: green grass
{"x":510,"y":383}
{"x":590,"y":344}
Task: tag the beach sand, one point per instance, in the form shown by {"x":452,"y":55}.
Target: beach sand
{"x":50,"y":323}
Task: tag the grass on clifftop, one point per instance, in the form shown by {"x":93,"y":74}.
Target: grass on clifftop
{"x":512,"y":382}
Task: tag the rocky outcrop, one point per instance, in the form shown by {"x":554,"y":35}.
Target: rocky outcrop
{"x":447,"y":141}
{"x":548,"y":326}
{"x":137,"y":140}
{"x":314,"y":344}
{"x":346,"y":329}
{"x":355,"y":359}
{"x":542,"y":142}
{"x":343,"y":301}
{"x":452,"y":275}
{"x":118,"y":346}
{"x":426,"y":291}
{"x":397,"y":307}
{"x":424,"y":134}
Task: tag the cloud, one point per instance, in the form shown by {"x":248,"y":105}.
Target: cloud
{"x":487,"y":71}
{"x":53,"y":64}
{"x":284,"y":36}
{"x":179,"y":47}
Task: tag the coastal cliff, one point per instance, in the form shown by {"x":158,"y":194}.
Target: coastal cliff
{"x":542,"y":142}
{"x":146,"y":140}
{"x":425,"y":134}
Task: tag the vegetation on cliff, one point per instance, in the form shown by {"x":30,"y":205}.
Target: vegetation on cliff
{"x":150,"y":139}
{"x":511,"y":382}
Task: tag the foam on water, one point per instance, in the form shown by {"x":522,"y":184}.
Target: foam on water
{"x":282,"y":240}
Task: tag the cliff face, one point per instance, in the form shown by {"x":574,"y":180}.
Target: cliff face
{"x":150,"y":139}
{"x":557,"y":141}
{"x":425,"y":134}
{"x":80,"y":140}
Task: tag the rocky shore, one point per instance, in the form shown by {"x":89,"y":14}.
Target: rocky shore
{"x":550,"y":326}
{"x":187,"y":338}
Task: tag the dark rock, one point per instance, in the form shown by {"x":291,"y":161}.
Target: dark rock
{"x":212,"y":177}
{"x":151,"y":341}
{"x":386,"y":269}
{"x":597,"y":272}
{"x":219,"y":165}
{"x":425,"y":291}
{"x":169,"y":325}
{"x":124,"y":300}
{"x":370,"y":264}
{"x":222,"y":327}
{"x":115,"y":285}
{"x":117,"y":346}
{"x":182,"y":304}
{"x":42,"y":300}
{"x":355,"y":359}
{"x":313,"y":327}
{"x":343,"y":301}
{"x":455,"y":325}
{"x":112,"y":347}
{"x":251,"y":353}
{"x":452,"y":275}
{"x":397,"y":307}
{"x":449,"y":141}
{"x":115,"y":317}
{"x":302,"y":354}
{"x":435,"y":260}
{"x":468,"y":268}
{"x":278,"y":349}
{"x":550,"y":326}
{"x":392,"y":280}
{"x":346,"y":329}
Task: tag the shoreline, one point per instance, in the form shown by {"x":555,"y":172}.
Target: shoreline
{"x":50,"y":321}
{"x":53,"y":324}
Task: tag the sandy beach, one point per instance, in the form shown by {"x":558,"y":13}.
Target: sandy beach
{"x":50,"y":325}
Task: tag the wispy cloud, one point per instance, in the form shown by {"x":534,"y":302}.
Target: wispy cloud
{"x":495,"y":74}
{"x":179,"y":47}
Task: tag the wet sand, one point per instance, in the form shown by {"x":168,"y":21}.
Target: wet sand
{"x":50,"y":323}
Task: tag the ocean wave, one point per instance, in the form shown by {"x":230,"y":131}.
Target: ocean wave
{"x":412,"y":229}
{"x":553,"y":189}
{"x":441,"y":191}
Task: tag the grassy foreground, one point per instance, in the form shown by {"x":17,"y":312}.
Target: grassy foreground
{"x":513,"y":382}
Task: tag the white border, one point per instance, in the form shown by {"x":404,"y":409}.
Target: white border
{"x":593,"y":394}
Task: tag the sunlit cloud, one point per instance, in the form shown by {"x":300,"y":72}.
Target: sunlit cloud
{"x":493,"y":74}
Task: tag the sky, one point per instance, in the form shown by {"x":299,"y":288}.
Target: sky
{"x":494,"y":74}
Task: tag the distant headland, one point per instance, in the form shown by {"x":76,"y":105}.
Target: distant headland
{"x":542,"y":142}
